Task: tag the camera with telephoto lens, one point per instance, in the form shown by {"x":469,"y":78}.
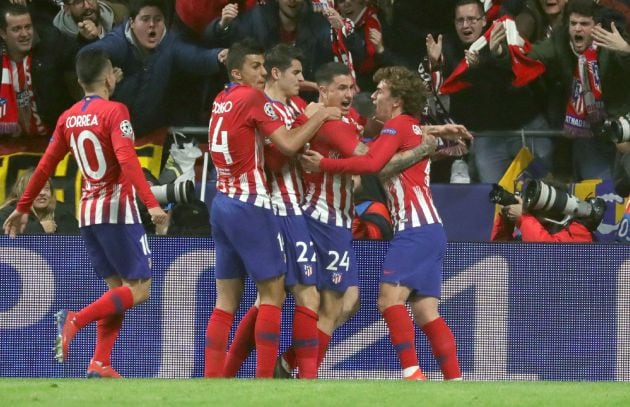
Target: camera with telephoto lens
{"x":174,"y":192}
{"x":557,"y":206}
{"x":501,"y":196}
{"x":617,"y":130}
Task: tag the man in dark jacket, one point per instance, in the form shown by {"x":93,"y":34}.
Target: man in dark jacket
{"x":33,"y":92}
{"x":150,"y":57}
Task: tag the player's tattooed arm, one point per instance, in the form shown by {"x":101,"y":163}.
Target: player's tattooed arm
{"x":404,"y":159}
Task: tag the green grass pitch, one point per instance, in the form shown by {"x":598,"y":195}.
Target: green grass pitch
{"x":345,"y":393}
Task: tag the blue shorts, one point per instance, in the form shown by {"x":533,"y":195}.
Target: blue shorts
{"x":415,"y":259}
{"x":336,"y":261}
{"x":118,"y":250}
{"x":301,"y":258}
{"x":247,"y":240}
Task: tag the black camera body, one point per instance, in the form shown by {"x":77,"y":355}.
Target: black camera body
{"x":501,"y":196}
{"x":617,"y":130}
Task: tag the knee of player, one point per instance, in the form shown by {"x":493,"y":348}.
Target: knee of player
{"x":351,"y":307}
{"x":309,"y":299}
{"x":384,"y":302}
{"x":141,"y":292}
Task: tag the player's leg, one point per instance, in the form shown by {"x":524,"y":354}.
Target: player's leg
{"x":115,"y":251}
{"x":227,"y":216}
{"x":260,"y":246}
{"x":330,"y":311}
{"x":440,"y":336}
{"x":267,"y":329}
{"x":229,"y":292}
{"x":338,"y":279}
{"x":305,"y":333}
{"x":107,"y":331}
{"x":244,"y":341}
{"x":391,"y":304}
{"x":301,"y":280}
{"x":350,"y":307}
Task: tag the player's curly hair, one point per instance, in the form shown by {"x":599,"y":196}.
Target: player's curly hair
{"x":406,"y":85}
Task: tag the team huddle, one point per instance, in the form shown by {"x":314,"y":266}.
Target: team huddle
{"x":281,"y":216}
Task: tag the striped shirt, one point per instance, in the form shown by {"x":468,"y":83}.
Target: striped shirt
{"x":241,"y":117}
{"x":285,"y":174}
{"x":100,"y":136}
{"x":328,"y":197}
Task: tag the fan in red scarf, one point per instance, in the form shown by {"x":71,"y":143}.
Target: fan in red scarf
{"x":340,"y":29}
{"x":365,"y":18}
{"x":524,"y":68}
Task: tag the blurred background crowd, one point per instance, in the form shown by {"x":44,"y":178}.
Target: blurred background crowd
{"x":565,"y":123}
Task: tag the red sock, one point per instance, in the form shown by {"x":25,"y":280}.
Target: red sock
{"x":243,"y":343}
{"x":217,"y":334}
{"x":267,"y":339}
{"x":106,"y":333}
{"x":402,"y":334}
{"x":305,"y":341}
{"x":444,"y":348}
{"x":115,"y":301}
{"x":324,"y":340}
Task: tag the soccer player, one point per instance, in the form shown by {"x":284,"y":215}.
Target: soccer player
{"x":284,"y":76}
{"x":328,"y":209}
{"x":412,"y":269}
{"x":247,"y":238}
{"x":100,"y":136}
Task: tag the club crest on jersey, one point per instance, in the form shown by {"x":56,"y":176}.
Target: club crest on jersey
{"x":416,"y":129}
{"x":269,"y":111}
{"x":127,"y":130}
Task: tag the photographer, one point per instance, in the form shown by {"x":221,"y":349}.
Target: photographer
{"x":543,"y":216}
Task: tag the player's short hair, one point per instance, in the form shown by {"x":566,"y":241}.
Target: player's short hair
{"x":281,"y":56}
{"x":239,"y":50}
{"x":136,"y":5}
{"x":14,"y":10}
{"x":90,"y":65}
{"x":405,"y":84}
{"x":326,"y":73}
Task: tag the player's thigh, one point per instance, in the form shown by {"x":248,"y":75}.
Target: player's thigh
{"x":229,"y":293}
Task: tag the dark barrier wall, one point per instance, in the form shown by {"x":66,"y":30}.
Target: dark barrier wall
{"x":518,"y":311}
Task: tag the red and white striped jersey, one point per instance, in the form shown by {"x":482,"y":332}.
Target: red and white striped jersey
{"x":328,"y":197}
{"x":285,"y":174}
{"x":100,"y":136}
{"x":241,"y":117}
{"x":409,"y":194}
{"x":29,"y":119}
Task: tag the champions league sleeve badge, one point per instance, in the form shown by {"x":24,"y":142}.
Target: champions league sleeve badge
{"x":416,"y":129}
{"x":269,"y":111}
{"x":127,"y":130}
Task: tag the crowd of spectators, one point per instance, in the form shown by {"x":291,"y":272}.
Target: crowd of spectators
{"x":169,"y":56}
